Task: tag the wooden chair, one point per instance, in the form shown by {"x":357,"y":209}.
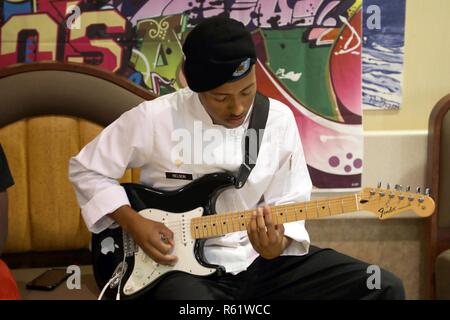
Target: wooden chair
{"x":438,"y":176}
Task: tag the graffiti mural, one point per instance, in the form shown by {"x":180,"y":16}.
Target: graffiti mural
{"x":309,"y":57}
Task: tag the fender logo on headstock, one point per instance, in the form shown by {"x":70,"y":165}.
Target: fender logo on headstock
{"x":384,"y":211}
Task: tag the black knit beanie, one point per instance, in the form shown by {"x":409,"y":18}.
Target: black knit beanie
{"x":217,"y":50}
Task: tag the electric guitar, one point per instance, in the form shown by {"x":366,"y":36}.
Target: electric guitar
{"x":119,"y":264}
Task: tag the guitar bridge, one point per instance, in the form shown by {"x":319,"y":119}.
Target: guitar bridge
{"x":129,"y":246}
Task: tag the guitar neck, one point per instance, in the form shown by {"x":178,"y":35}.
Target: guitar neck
{"x":220,"y":224}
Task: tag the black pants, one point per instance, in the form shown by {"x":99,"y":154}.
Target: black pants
{"x":321,"y":274}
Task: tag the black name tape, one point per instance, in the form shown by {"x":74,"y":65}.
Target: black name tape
{"x":179,"y":176}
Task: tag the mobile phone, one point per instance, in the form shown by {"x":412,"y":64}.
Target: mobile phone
{"x":48,"y":280}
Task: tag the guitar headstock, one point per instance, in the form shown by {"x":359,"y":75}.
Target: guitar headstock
{"x":386,"y":203}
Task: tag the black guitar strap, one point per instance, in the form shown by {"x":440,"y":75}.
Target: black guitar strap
{"x":253,"y":137}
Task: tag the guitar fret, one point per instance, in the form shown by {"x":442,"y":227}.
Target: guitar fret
{"x":233,"y":226}
{"x":205,"y":227}
{"x":210,"y":227}
{"x":309,"y":214}
{"x":236,"y":223}
{"x":230,"y":223}
{"x":317,"y":209}
{"x":291,"y":215}
{"x":222,"y":226}
{"x":217,"y":222}
{"x":200,"y":229}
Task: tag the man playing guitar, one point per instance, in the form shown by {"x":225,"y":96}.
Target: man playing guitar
{"x":168,"y":139}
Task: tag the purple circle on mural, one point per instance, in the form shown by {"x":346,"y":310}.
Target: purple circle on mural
{"x":334,"y":161}
{"x":357,"y":163}
{"x":347,"y":168}
{"x":349,"y":155}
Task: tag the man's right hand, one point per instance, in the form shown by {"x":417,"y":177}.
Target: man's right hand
{"x":153,"y":237}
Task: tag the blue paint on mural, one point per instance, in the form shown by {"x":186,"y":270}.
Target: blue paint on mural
{"x":382,"y":54}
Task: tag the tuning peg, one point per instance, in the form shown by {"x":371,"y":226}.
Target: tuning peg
{"x":418,"y":190}
{"x":408,"y":188}
{"x":388,"y":186}
{"x":398,"y":187}
{"x":427,"y":191}
{"x":379,"y":184}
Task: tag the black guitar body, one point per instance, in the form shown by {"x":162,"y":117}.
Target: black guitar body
{"x":201,"y":193}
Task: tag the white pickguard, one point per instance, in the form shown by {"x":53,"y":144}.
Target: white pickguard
{"x":146,"y":270}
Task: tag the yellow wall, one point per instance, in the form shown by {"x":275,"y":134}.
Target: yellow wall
{"x":426,"y":67}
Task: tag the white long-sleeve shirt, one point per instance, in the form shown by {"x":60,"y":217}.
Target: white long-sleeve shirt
{"x":174,"y":133}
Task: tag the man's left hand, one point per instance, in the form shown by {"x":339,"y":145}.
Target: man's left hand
{"x":267,"y":238}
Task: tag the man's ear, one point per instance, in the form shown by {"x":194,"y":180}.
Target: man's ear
{"x":181,"y":75}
